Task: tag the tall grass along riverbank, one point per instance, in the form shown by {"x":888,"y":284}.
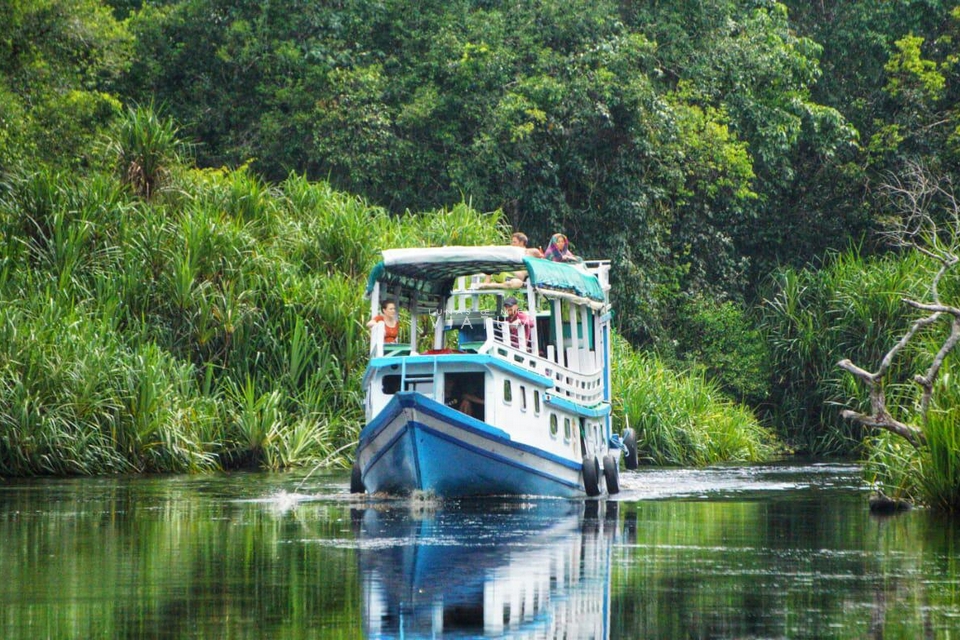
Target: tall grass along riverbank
{"x":166,"y":319}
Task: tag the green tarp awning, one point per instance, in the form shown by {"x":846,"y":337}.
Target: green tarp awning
{"x":559,"y":277}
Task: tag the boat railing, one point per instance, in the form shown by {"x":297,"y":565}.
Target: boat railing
{"x":377,"y":337}
{"x":601,"y":269}
{"x":379,"y":347}
{"x":510,"y":342}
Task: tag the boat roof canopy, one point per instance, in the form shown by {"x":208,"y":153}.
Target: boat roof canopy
{"x":434,"y":271}
{"x":563,"y":280}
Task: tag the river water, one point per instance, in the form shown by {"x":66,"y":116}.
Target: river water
{"x":778,"y":551}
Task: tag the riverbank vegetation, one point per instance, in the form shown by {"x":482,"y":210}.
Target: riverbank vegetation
{"x":683,"y":417}
{"x":193,"y":189}
{"x":905,"y":408}
{"x":216,"y":323}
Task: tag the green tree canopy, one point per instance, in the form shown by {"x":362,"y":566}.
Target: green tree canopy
{"x":56,"y":57}
{"x":663,"y":136}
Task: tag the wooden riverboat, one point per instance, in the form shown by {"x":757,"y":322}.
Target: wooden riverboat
{"x":540,"y":420}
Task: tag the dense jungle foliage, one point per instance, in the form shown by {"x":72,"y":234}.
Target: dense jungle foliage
{"x":163,"y":163}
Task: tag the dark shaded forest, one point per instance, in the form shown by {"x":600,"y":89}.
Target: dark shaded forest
{"x":700,"y":145}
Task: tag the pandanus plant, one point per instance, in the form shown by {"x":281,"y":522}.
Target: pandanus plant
{"x":146,"y":148}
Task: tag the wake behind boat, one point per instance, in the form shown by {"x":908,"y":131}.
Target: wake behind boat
{"x":474,"y":403}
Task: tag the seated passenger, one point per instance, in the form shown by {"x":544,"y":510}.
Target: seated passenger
{"x":559,"y":250}
{"x":520,"y":240}
{"x":391,"y":324}
{"x":505,"y":280}
{"x":461,"y":400}
{"x":511,"y":279}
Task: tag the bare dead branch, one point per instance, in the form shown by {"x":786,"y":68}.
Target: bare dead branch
{"x":937,"y":309}
{"x":866,"y":376}
{"x":880,"y":418}
{"x":911,"y":434}
{"x":926,"y":381}
{"x":912,"y":331}
{"x":913,"y":196}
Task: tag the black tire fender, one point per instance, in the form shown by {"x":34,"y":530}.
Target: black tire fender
{"x":356,"y":480}
{"x":611,"y":473}
{"x":591,"y":475}
{"x":631,"y":459}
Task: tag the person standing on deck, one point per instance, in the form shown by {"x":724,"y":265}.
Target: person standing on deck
{"x":517,"y":318}
{"x":391,"y":324}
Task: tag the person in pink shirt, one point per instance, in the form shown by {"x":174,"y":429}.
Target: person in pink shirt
{"x":517,"y":318}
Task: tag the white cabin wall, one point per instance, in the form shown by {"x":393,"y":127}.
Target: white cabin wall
{"x":525,"y":424}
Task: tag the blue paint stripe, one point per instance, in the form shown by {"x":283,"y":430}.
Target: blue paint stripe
{"x":416,"y":400}
{"x":388,"y":446}
{"x":457,"y":420}
{"x":381,"y":420}
{"x":462,"y":421}
{"x":458,"y":359}
{"x":504,"y":459}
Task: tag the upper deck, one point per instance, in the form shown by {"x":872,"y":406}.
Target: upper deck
{"x":448,"y":310}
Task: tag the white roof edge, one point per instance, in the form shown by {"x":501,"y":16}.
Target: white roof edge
{"x":452,"y":255}
{"x":572,"y":297}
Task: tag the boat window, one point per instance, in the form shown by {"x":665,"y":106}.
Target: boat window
{"x":554,"y":429}
{"x":523,"y":398}
{"x":536,"y":402}
{"x":424,"y":387}
{"x":464,"y":391}
{"x":390,"y":384}
{"x":420,"y":383}
{"x":507,"y":392}
{"x":567,"y":430}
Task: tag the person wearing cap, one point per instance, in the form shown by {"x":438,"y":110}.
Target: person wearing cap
{"x":517,"y":318}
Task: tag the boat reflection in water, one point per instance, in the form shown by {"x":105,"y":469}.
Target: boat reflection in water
{"x":534,"y":569}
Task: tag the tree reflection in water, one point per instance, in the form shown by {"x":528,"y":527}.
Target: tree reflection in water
{"x":773,"y":551}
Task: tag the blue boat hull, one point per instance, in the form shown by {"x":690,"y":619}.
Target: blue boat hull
{"x":418,"y":444}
